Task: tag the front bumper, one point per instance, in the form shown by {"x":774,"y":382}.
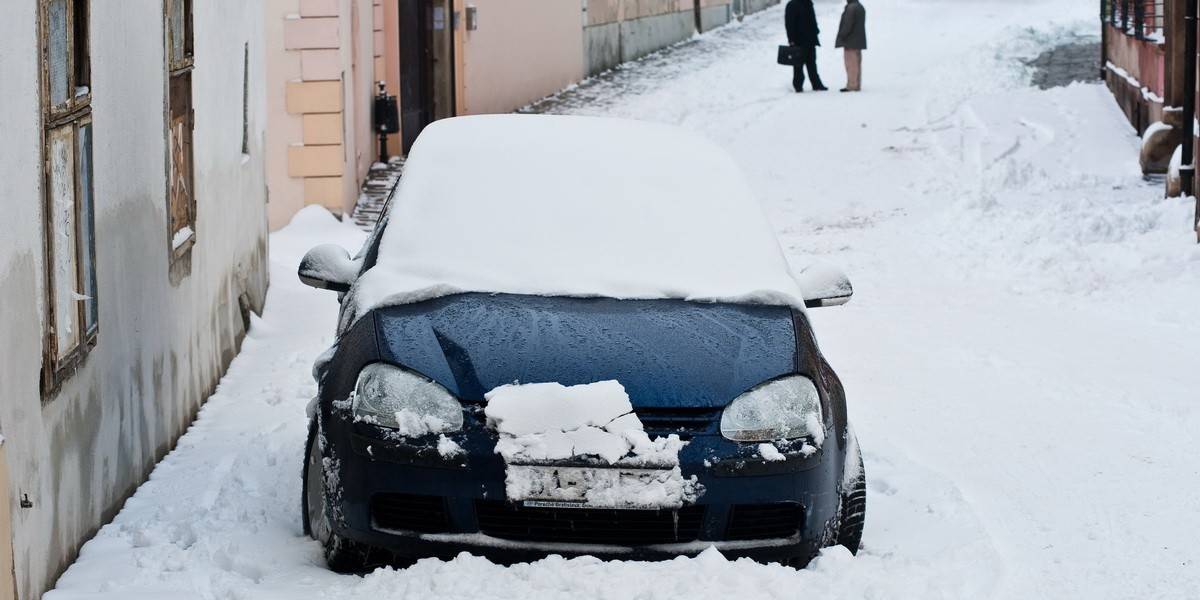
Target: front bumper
{"x":456,"y":492}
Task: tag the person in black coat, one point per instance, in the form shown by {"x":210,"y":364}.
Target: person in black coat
{"x":800,"y":19}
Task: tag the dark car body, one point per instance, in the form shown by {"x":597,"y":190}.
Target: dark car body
{"x":661,"y":274}
{"x":681,"y":363}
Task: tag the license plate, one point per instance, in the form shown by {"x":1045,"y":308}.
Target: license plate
{"x":593,"y":487}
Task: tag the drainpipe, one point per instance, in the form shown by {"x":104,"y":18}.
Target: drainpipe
{"x":1187,"y":171}
{"x":1106,"y":15}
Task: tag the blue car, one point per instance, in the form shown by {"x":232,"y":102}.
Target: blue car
{"x":529,"y":249}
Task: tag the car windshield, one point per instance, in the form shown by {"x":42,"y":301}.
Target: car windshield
{"x":531,"y":205}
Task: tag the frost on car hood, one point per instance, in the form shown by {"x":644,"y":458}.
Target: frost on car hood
{"x":573,"y":206}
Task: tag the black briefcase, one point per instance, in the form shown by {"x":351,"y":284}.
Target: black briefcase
{"x":792,"y":55}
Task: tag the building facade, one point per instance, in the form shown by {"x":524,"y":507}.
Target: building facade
{"x":1144,"y":65}
{"x":133,"y":253}
{"x":320,"y":77}
{"x":440,"y":58}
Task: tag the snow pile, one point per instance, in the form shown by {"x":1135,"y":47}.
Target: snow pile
{"x":535,"y":217}
{"x":594,"y":425}
{"x":770,"y":452}
{"x":448,"y":448}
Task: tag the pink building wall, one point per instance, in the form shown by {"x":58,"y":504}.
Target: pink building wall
{"x":1136,"y":74}
{"x":320,"y":65}
{"x":522,"y":50}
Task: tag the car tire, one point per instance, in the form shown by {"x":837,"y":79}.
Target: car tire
{"x":853,"y":509}
{"x":341,"y":554}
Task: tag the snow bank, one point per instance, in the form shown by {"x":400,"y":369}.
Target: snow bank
{"x":574,"y":206}
{"x":545,"y":424}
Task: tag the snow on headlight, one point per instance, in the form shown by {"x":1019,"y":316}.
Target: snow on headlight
{"x":414,"y":406}
{"x":784,"y":409}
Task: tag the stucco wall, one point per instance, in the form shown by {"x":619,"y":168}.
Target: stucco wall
{"x":286,"y":194}
{"x":391,"y":61}
{"x":618,"y":31}
{"x":320,"y":58}
{"x":522,"y":51}
{"x":161,"y":347}
{"x":752,"y":6}
{"x":359,"y":53}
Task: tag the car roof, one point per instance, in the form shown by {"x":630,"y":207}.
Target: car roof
{"x":574,"y":206}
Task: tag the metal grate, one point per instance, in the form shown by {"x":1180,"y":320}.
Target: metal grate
{"x":764,"y":521}
{"x":684,"y":422}
{"x":410,"y":512}
{"x":1142,"y":19}
{"x":589,"y":526}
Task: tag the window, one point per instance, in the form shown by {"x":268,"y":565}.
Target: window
{"x":246,"y":99}
{"x":71,"y":304}
{"x":181,"y":196}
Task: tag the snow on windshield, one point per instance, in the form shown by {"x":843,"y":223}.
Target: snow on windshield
{"x":574,"y":206}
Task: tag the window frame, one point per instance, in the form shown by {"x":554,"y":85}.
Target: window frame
{"x":75,"y":113}
{"x":179,"y":75}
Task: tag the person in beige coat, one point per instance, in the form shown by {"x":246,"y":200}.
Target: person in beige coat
{"x":852,"y":39}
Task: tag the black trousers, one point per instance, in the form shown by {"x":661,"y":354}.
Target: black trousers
{"x":810,"y":62}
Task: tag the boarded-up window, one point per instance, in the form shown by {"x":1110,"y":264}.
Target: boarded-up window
{"x":72,"y":315}
{"x":181,"y":195}
{"x":64,"y":251}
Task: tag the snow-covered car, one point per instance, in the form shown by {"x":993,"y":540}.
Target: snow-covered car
{"x":575,"y":336}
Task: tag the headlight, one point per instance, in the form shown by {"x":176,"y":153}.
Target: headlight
{"x":786,"y":408}
{"x":391,"y":397}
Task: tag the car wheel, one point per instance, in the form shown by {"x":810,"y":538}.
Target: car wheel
{"x":342,"y":555}
{"x":853,"y":508}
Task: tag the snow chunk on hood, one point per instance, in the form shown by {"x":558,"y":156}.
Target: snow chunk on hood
{"x":546,"y":422}
{"x":578,"y":207}
{"x":592,"y":425}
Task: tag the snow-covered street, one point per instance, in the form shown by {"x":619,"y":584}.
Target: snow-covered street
{"x":1020,"y":356}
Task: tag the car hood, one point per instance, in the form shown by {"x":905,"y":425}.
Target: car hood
{"x":667,"y":353}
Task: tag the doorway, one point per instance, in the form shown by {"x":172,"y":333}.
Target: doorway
{"x":426,"y":66}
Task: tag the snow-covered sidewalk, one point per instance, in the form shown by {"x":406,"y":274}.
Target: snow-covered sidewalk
{"x":1020,"y":356}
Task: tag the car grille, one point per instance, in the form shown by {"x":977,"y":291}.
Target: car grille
{"x":589,"y":525}
{"x":764,"y":521}
{"x":684,"y":422}
{"x":410,"y":512}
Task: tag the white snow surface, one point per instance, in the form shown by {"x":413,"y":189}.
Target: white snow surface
{"x":516,"y":204}
{"x":1019,"y":356}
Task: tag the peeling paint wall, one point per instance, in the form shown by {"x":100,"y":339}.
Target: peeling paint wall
{"x":161,"y":347}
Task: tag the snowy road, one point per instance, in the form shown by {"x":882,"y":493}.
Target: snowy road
{"x":1020,"y":355}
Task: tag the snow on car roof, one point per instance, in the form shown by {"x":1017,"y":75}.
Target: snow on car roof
{"x":574,"y":206}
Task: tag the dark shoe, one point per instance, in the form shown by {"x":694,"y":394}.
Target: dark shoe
{"x":800,"y":91}
{"x":820,"y":88}
{"x":845,"y":90}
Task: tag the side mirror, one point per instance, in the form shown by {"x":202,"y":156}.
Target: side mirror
{"x":328,"y":267}
{"x":824,"y":285}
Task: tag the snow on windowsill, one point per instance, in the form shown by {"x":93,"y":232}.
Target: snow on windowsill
{"x":1147,"y":93}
